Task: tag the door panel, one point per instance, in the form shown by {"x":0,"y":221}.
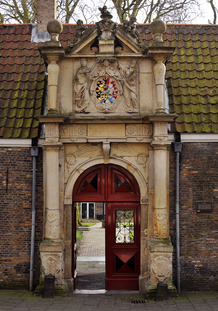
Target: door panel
{"x":121,"y":185}
{"x":90,"y":186}
{"x":122,"y":246}
{"x":119,"y":190}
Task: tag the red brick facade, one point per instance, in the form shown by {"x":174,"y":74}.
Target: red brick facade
{"x":16,"y":214}
{"x":198,"y":231}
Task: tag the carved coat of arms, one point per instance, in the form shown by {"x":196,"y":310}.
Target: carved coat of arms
{"x":105,"y":84}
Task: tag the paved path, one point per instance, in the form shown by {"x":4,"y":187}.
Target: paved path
{"x":24,"y":301}
{"x":91,"y":259}
{"x":93,"y":242}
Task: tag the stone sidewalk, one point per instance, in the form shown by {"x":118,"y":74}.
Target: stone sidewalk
{"x":24,"y":301}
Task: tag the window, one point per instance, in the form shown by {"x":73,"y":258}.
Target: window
{"x":124,"y":226}
{"x":87,"y":210}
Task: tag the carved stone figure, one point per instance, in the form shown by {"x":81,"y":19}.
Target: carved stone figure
{"x":130,"y":27}
{"x":129,"y":86}
{"x":105,"y":14}
{"x":80,"y":30}
{"x":81,"y":88}
{"x":106,"y":27}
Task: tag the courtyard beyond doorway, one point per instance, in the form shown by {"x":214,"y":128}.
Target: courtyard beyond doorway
{"x":91,"y":259}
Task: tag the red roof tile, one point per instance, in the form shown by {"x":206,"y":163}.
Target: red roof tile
{"x":192,"y":74}
{"x":22,"y":82}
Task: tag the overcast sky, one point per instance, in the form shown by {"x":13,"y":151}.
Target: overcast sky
{"x":206,"y":11}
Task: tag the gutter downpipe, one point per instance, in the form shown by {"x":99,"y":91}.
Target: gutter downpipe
{"x":177,"y":147}
{"x":34,"y":151}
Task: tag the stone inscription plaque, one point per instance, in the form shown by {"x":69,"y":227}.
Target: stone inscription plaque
{"x":204,"y":207}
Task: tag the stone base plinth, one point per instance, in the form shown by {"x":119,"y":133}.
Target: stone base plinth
{"x":52,"y":260}
{"x":160,"y":263}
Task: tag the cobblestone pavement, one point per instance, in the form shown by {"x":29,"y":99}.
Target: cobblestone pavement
{"x":25,"y":301}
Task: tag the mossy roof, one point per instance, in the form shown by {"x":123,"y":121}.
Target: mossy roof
{"x":192,"y":75}
{"x":22,"y":82}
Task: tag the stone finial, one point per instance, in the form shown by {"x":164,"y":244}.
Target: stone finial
{"x":158,"y":27}
{"x":54,"y":28}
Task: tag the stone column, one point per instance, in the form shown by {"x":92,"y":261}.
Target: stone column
{"x":53,"y":72}
{"x":159,"y":74}
{"x":160,"y":248}
{"x":52,"y":247}
{"x":160,"y":144}
{"x":52,"y":52}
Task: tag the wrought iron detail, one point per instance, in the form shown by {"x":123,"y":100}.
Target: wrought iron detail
{"x":124,"y":226}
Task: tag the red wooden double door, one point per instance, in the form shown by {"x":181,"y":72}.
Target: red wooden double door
{"x":118,"y":189}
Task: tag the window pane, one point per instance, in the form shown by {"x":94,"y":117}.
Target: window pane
{"x":84,"y":210}
{"x":124,"y":226}
{"x":91,"y":210}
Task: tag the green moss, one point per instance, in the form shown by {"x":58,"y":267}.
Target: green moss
{"x":79,"y":235}
{"x":88,"y":224}
{"x":14,"y":285}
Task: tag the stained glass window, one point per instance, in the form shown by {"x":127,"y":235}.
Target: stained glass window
{"x":124,"y":226}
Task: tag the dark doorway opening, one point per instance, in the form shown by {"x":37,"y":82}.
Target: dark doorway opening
{"x":119,"y":191}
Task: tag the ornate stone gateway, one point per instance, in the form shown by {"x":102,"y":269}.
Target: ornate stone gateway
{"x":106,"y":134}
{"x":119,"y":190}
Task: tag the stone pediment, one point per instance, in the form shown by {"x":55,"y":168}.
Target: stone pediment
{"x":90,"y":45}
{"x":106,"y":37}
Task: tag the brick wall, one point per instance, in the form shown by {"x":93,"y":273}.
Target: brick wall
{"x":198,"y":231}
{"x":16,"y":215}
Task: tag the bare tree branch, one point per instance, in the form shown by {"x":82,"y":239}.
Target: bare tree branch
{"x":25,"y":11}
{"x":214,"y":9}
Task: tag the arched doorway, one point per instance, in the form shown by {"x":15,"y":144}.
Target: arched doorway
{"x":119,"y":190}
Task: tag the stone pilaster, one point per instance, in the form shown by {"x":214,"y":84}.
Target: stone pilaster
{"x":52,"y":247}
{"x":160,"y":247}
{"x":160,"y":144}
